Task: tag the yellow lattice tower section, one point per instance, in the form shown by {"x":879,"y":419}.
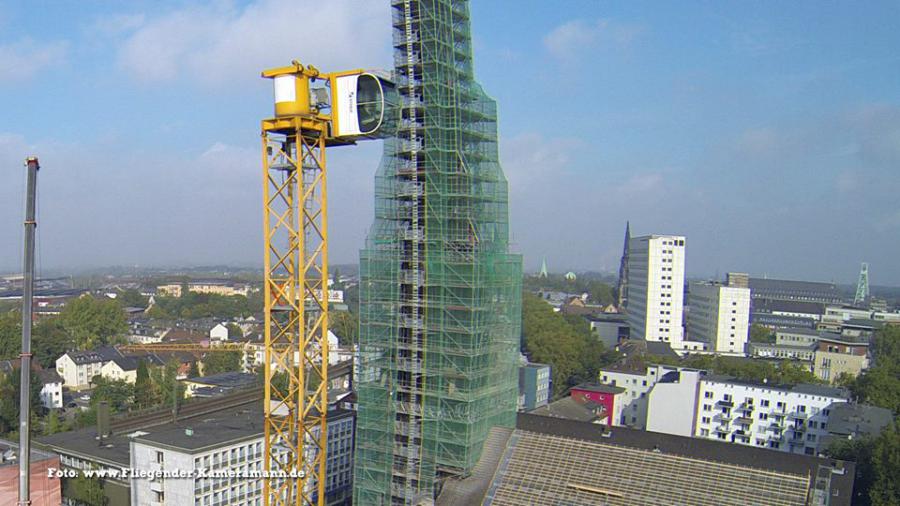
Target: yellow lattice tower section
{"x":296,"y":293}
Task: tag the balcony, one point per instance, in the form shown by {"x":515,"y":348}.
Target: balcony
{"x":798,"y":415}
{"x":725,"y":403}
{"x":722,"y":429}
{"x":746,"y":420}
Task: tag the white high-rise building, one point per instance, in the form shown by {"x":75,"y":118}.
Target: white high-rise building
{"x":719,"y":316}
{"x":656,"y":288}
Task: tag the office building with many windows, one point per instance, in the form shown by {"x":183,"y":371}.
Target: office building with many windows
{"x":719,"y":316}
{"x":655,"y":298}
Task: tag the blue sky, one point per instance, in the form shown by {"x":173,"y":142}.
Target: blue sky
{"x":768,"y":133}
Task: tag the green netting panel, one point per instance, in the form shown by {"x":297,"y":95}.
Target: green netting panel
{"x":439,"y":292}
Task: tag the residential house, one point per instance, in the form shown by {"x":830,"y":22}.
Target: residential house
{"x":77,"y":368}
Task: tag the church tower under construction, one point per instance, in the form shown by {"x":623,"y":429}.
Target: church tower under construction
{"x":440,"y":294}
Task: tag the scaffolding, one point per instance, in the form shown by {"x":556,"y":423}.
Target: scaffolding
{"x":440,"y":295}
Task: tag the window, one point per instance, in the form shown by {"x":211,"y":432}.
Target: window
{"x":160,"y":457}
{"x":764,"y":403}
{"x":707,"y":395}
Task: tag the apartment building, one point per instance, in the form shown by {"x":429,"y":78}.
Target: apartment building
{"x":229,"y":442}
{"x":656,"y":288}
{"x":787,"y":418}
{"x":690,"y":402}
{"x":633,"y":403}
{"x":77,"y":368}
{"x":719,"y":316}
{"x":534,"y":386}
{"x":840,"y":356}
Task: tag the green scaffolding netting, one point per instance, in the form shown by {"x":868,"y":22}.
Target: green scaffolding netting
{"x":440,"y":296}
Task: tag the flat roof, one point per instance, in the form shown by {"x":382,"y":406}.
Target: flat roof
{"x":803,"y":388}
{"x":209,"y":431}
{"x":567,"y":408}
{"x":225,"y":379}
{"x":858,"y":419}
{"x":84,"y":443}
{"x":9,"y":446}
{"x":599,"y":387}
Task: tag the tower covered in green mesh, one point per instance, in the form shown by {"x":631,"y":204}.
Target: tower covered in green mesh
{"x":440,"y":300}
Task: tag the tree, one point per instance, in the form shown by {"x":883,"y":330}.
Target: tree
{"x":143,"y":387}
{"x":345,"y":325}
{"x":93,"y":322}
{"x":118,"y":393}
{"x":49,"y":341}
{"x":194,"y":371}
{"x":234,"y":332}
{"x":132,"y":298}
{"x":880,"y":385}
{"x":52,"y":423}
{"x":857,"y":450}
{"x":877,"y":461}
{"x":10,"y":335}
{"x":222,"y":361}
{"x":9,"y":399}
{"x":885,"y":489}
{"x":203,"y":305}
{"x":761,"y":334}
{"x":88,"y":491}
{"x":565,"y":343}
{"x":166,"y":387}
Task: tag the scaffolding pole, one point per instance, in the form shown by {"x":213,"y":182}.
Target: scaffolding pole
{"x":25,"y":355}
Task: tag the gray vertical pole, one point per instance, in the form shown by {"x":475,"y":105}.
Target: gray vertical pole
{"x":25,"y":356}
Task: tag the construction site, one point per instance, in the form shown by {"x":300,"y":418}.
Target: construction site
{"x":425,"y":407}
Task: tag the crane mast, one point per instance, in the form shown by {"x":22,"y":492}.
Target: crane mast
{"x":296,"y":308}
{"x":312,"y":111}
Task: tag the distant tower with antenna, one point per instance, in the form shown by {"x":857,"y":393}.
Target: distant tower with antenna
{"x":544,"y":273}
{"x":862,"y":286}
{"x":622,"y":284}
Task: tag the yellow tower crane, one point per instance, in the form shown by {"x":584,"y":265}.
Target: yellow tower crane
{"x":312,"y":111}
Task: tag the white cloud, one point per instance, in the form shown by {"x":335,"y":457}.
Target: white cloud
{"x":218,"y":43}
{"x":117,"y":24}
{"x":570,"y":39}
{"x":21,"y":60}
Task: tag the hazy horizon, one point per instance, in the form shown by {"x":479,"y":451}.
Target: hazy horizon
{"x":767,"y":134}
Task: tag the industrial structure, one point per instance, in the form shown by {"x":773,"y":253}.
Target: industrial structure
{"x":440,"y":294}
{"x":312,"y":111}
{"x":27,"y":320}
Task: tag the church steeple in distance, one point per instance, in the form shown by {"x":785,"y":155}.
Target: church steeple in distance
{"x":544,"y":273}
{"x":622,"y":284}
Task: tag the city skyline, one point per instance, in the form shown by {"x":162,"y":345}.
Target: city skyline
{"x":771,"y":145}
